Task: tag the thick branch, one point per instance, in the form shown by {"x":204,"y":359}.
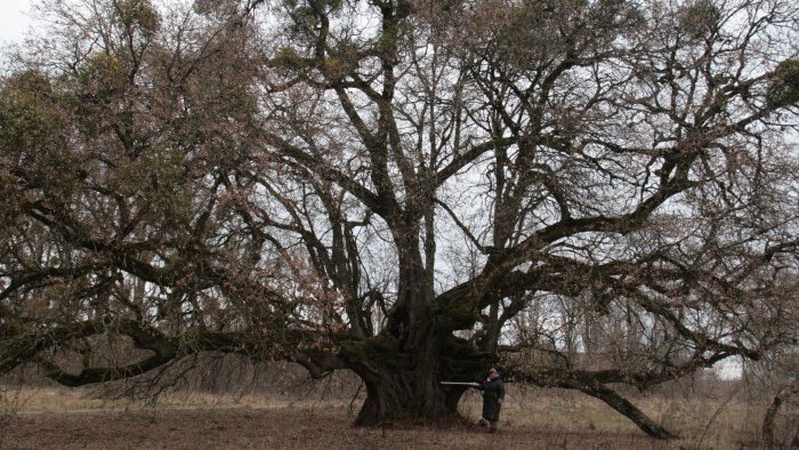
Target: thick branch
{"x":589,"y":383}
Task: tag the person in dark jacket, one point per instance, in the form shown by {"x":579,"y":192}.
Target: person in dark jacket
{"x":493,"y":394}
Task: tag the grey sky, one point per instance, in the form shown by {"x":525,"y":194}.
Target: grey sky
{"x":14,"y":20}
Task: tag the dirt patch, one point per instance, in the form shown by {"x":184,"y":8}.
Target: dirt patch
{"x":295,"y":428}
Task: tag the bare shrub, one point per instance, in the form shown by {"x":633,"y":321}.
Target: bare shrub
{"x":10,"y":404}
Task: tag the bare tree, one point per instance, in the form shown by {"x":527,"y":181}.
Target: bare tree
{"x":412,"y":190}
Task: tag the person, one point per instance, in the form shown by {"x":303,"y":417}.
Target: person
{"x":493,"y":394}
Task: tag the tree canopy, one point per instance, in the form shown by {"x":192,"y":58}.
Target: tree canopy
{"x":583,"y":192}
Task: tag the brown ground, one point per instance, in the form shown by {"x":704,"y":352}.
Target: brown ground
{"x":275,"y":428}
{"x":52,"y":417}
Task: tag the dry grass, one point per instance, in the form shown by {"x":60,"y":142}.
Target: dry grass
{"x":532,"y":419}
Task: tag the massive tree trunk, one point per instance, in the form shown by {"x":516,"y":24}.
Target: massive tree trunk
{"x":405,"y":383}
{"x":401,"y":367}
{"x":394,"y":394}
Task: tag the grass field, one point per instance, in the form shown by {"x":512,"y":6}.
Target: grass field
{"x":50,"y":417}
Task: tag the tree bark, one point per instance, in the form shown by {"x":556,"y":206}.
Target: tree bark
{"x":591,"y":384}
{"x":405,"y":385}
{"x":768,"y":422}
{"x":622,"y":405}
{"x":400,"y":386}
{"x":767,"y":428}
{"x":397,"y":395}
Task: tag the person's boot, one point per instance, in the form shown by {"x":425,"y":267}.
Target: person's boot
{"x":493,"y":428}
{"x":483,"y":423}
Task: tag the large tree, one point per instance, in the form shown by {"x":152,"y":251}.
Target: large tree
{"x":584,"y":192}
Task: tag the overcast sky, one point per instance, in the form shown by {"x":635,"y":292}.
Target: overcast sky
{"x":14,"y":19}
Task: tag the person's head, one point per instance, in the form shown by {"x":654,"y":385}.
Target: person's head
{"x":492,"y":373}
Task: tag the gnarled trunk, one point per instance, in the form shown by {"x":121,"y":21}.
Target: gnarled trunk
{"x":405,"y":384}
{"x":395,"y":395}
{"x":402,"y":368}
